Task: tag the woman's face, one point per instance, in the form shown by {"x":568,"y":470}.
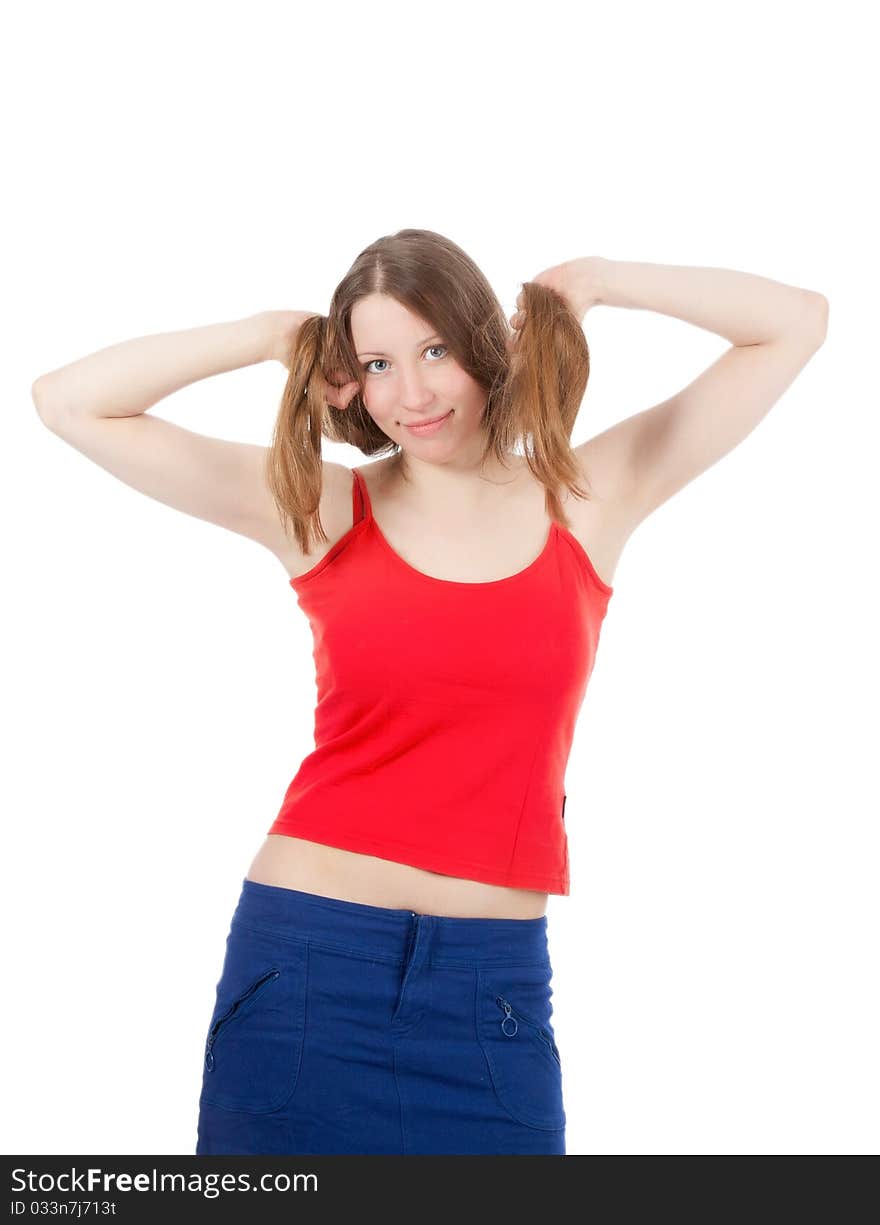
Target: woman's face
{"x":410,"y":377}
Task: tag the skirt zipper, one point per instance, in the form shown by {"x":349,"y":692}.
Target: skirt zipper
{"x":221,"y":1021}
{"x":510,"y":1018}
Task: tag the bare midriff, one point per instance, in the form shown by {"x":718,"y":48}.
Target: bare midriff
{"x":311,"y":867}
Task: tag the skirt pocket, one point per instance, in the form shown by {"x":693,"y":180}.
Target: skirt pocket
{"x":516,"y":1034}
{"x":255,"y":1037}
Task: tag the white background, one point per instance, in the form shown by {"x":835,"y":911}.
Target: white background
{"x":171,"y":165}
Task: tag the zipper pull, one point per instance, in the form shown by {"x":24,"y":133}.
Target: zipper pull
{"x":508,"y":1018}
{"x":209,"y":1055}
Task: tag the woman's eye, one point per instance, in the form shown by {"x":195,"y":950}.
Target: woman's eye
{"x":382,"y":359}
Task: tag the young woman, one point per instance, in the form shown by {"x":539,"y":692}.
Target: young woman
{"x":386,"y":986}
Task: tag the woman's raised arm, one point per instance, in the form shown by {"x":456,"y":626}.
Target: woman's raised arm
{"x":98,"y":405}
{"x":128,"y":378}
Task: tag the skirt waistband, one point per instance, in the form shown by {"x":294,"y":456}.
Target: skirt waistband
{"x":389,"y":933}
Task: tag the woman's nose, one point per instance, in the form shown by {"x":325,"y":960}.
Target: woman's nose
{"x":414,"y":394}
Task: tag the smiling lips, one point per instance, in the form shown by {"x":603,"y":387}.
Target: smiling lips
{"x":430,"y":427}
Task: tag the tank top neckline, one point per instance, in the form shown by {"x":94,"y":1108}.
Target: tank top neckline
{"x":431,"y":578}
{"x":367,"y":520}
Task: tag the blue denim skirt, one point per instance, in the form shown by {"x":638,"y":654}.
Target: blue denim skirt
{"x":345,"y":1028}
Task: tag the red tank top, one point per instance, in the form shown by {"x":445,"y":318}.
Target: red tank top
{"x":446,"y":710}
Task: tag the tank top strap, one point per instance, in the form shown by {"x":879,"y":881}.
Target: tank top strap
{"x":360,"y":499}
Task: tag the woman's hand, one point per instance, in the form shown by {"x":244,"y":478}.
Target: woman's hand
{"x":284,"y":326}
{"x":340,"y":394}
{"x":578,"y":281}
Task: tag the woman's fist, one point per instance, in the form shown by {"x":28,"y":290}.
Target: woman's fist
{"x":577,"y":281}
{"x":339,"y":395}
{"x":281,"y":339}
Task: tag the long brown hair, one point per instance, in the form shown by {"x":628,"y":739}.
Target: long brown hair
{"x":534,"y":389}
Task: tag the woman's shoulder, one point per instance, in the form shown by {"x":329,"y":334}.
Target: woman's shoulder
{"x":335,"y":510}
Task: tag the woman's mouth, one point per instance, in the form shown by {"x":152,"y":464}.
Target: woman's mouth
{"x":431,"y":427}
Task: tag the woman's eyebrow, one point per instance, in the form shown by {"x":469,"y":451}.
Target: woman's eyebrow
{"x":376,"y":353}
